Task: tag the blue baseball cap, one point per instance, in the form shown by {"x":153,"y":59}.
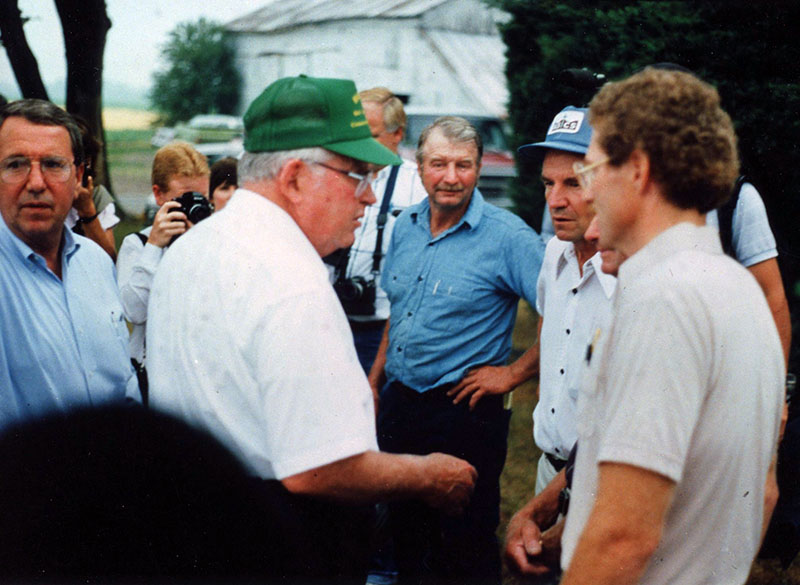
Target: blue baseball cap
{"x":569,"y":131}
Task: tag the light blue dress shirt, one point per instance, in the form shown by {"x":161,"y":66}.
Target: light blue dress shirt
{"x":63,"y":342}
{"x":454,"y":296}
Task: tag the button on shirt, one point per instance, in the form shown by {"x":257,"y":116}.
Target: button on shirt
{"x":408,"y":190}
{"x":573,"y":307}
{"x":64,"y":342}
{"x":454,"y":296}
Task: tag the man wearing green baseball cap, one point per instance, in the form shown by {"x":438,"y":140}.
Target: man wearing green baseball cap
{"x":248,"y":340}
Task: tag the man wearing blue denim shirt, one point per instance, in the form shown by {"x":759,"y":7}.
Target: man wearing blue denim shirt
{"x":454,"y":274}
{"x":62,"y":335}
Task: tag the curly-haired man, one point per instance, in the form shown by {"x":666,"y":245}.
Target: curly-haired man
{"x":679,"y":418}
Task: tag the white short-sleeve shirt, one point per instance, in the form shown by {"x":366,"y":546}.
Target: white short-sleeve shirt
{"x":247,"y":339}
{"x":751,"y":235}
{"x":687,"y":383}
{"x":572,"y":305}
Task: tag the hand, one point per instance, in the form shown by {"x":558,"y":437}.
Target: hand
{"x":529,"y":551}
{"x":84,"y":203}
{"x":451,"y":483}
{"x":167,"y":224}
{"x":484,"y":381}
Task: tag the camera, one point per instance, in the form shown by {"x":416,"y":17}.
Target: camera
{"x":194,"y":205}
{"x":357,"y":295}
{"x":581,"y":79}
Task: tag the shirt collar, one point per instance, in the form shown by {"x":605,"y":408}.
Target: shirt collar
{"x":10,"y":241}
{"x":678,"y":238}
{"x":591,"y":266}
{"x":471,"y":218}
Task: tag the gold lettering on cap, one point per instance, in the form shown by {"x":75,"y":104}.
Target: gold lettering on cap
{"x":356,"y":98}
{"x":358,"y":113}
{"x":358,"y":123}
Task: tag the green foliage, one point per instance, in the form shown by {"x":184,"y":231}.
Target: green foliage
{"x":747,"y":49}
{"x":200,"y":75}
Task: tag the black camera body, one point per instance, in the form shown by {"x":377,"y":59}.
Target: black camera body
{"x":357,"y":295}
{"x":194,"y":205}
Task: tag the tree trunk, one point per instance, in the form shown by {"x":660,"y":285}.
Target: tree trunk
{"x":23,"y":62}
{"x":85,"y":25}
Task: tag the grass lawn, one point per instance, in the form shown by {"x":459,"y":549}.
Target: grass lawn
{"x":130,"y":157}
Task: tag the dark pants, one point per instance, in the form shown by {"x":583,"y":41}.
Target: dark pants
{"x":430,"y":546}
{"x":367,"y":337}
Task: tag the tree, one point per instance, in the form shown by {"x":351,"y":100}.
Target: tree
{"x":84,"y":24}
{"x":748,"y":50}
{"x":200,"y":76}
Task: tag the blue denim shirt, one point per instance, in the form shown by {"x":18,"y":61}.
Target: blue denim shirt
{"x":454,"y":296}
{"x":63,"y":342}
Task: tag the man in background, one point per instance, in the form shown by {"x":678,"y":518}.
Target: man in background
{"x":358,"y":268}
{"x":455,"y":272}
{"x":177,"y":168}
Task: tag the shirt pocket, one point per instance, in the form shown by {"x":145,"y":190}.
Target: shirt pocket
{"x":451,"y":302}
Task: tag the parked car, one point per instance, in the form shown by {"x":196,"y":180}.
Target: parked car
{"x":498,"y":167}
{"x":201,"y":129}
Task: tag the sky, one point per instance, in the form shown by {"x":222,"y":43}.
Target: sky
{"x":138,"y":29}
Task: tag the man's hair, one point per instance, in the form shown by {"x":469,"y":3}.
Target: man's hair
{"x":177,"y":159}
{"x":394,"y":116}
{"x":261,"y":166}
{"x":223,"y":174}
{"x":676,"y":119}
{"x":47,"y":114}
{"x":453,"y":128}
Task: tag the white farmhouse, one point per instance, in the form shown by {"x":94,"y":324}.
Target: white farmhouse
{"x":434,"y":53}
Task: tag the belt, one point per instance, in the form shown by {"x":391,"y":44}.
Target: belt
{"x":558,"y":464}
{"x":367,"y":325}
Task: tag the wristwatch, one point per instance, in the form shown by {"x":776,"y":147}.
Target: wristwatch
{"x":90,"y":219}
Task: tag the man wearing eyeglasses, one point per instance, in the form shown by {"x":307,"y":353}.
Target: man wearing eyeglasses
{"x":249,"y":340}
{"x":454,"y":274}
{"x":63,"y":331}
{"x":680,"y":411}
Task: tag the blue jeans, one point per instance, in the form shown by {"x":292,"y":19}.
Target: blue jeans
{"x":367,"y":338}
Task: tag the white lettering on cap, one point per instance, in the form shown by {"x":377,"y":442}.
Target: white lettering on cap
{"x":568,"y":122}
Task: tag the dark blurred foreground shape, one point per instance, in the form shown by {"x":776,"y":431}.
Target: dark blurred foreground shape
{"x":123,"y":494}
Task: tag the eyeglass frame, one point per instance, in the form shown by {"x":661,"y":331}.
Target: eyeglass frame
{"x":581,"y":171}
{"x":363,"y":180}
{"x":66,"y":164}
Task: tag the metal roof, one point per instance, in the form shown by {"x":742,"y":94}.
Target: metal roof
{"x":479,"y":62}
{"x":281,"y":14}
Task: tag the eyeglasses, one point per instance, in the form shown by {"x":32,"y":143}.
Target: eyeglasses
{"x":16,"y":169}
{"x":363,"y":180}
{"x":585,"y":173}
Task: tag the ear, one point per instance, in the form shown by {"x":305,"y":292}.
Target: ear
{"x":79,"y":170}
{"x":640,"y":169}
{"x":397,"y":137}
{"x":292,"y":181}
{"x":161,"y":197}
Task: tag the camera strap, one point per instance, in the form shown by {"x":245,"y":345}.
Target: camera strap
{"x":382,"y":217}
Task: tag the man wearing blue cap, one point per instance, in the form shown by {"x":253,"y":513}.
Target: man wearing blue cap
{"x":573,"y":299}
{"x":247,"y":338}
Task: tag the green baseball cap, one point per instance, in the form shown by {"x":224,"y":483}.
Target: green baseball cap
{"x":301,"y":112}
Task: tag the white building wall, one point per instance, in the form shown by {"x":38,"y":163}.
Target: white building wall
{"x":393,"y":53}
